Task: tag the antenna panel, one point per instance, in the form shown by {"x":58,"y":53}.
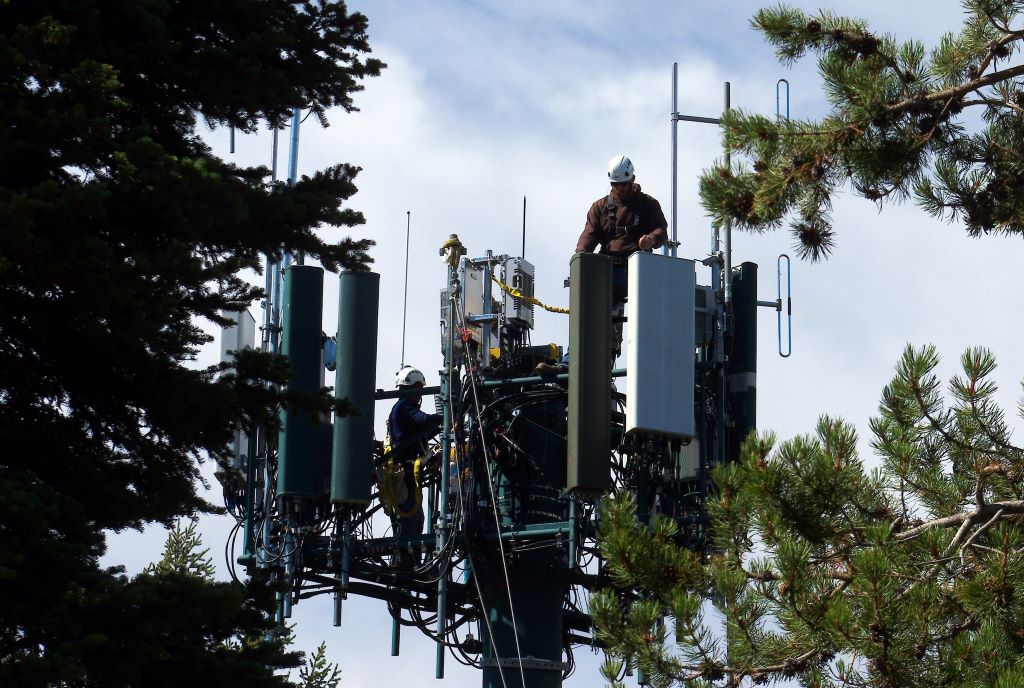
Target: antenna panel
{"x":660,"y":345}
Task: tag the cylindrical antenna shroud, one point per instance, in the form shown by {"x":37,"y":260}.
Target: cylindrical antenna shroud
{"x":301,"y":342}
{"x":358,"y":299}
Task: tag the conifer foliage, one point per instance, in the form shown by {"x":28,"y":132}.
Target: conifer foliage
{"x":121,"y":231}
{"x":945,"y":126}
{"x":826,"y":573}
{"x":319,"y":672}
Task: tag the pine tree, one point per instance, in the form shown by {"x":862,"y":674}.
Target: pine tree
{"x":121,"y":232}
{"x":182,"y":554}
{"x":908,"y":575}
{"x":900,"y":125}
{"x":318,"y":672}
{"x":174,"y":624}
{"x":185,"y":560}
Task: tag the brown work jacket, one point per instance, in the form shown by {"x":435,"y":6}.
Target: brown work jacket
{"x":619,"y":236}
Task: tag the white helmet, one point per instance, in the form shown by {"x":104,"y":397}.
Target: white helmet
{"x":620,"y":169}
{"x":409,"y":376}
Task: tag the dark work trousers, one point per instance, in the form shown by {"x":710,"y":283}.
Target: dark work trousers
{"x":620,"y":290}
{"x":620,"y":285}
{"x":409,"y":527}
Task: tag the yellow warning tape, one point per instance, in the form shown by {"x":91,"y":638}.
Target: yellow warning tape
{"x":512,"y":291}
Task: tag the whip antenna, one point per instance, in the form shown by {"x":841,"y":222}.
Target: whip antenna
{"x":522,"y":254}
{"x":405,"y":295}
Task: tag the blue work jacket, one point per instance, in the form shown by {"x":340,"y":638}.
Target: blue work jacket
{"x":409,"y":425}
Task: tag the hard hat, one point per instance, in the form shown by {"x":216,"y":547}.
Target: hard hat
{"x":409,"y":376}
{"x":620,"y":169}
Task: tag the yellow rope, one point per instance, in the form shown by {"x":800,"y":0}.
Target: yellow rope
{"x":515,"y":293}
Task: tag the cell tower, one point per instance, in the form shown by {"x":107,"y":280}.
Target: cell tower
{"x":509,"y":490}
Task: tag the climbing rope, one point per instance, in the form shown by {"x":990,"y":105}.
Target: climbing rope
{"x":515,"y":293}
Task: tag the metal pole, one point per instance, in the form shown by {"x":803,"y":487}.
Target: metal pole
{"x":342,"y":575}
{"x":485,"y":339}
{"x":446,"y":450}
{"x":572,"y":534}
{"x":249,"y":538}
{"x":293,"y":151}
{"x":671,"y":248}
{"x":396,"y":636}
{"x":487,"y":384}
{"x":275,"y":313}
{"x":727,"y":278}
{"x":726,"y":325}
{"x":405,"y":295}
{"x":293,"y":167}
{"x":289,"y":569}
{"x":278,"y":264}
{"x":273,"y":159}
{"x":270,"y":313}
{"x":268,"y":304}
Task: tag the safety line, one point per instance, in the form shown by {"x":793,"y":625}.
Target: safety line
{"x":515,"y":293}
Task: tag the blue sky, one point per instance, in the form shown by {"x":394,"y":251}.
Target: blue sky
{"x":485,"y":102}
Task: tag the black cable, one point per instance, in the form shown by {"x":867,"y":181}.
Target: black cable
{"x":229,"y":552}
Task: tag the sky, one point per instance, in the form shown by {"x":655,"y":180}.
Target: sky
{"x":484,"y":103}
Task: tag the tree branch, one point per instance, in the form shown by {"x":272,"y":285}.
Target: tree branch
{"x":956,"y":91}
{"x":961,"y":532}
{"x":1010,"y":37}
{"x":946,"y":435}
{"x":1009,"y":508}
{"x":982,"y":529}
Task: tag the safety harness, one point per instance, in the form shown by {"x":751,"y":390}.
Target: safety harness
{"x":391,"y":477}
{"x":615,"y":230}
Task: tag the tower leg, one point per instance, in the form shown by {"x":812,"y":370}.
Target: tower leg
{"x":537,"y":593}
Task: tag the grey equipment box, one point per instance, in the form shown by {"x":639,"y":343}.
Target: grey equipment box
{"x":236,"y":337}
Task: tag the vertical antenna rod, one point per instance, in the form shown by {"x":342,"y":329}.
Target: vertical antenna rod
{"x":522,"y":254}
{"x":405,"y":295}
{"x":273,"y":267}
{"x":293,"y":168}
{"x":670,"y":248}
{"x":727,"y":248}
{"x":293,"y":151}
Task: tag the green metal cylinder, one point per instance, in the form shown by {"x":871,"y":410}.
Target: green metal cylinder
{"x":536,"y":596}
{"x":590,"y":355}
{"x":301,"y":342}
{"x":741,"y":371}
{"x":358,"y":299}
{"x":531,"y":625}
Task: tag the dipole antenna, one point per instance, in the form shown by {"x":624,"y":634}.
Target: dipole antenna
{"x":405,"y":295}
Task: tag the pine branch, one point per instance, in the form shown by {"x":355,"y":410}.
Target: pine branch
{"x":914,"y":104}
{"x":1010,"y":507}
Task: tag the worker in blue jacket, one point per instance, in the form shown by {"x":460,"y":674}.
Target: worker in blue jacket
{"x":409,"y":429}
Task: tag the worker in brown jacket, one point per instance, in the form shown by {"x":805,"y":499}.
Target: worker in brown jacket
{"x":625,"y":221}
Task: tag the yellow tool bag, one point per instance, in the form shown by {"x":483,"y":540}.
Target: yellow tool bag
{"x":393,"y":490}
